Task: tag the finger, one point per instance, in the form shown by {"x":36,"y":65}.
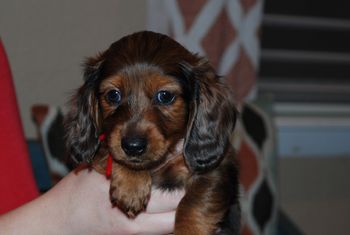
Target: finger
{"x":161,"y":223}
{"x":163,"y":201}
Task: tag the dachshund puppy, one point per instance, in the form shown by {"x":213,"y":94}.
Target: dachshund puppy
{"x":147,"y":94}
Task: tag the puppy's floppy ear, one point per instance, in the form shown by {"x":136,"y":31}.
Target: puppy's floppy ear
{"x":82,"y":121}
{"x":211,"y":122}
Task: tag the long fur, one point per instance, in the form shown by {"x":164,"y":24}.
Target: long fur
{"x":205,"y":118}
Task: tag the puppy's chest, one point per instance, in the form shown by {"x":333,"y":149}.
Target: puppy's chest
{"x":173,"y":175}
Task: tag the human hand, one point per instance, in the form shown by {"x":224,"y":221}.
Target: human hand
{"x":89,"y":210}
{"x":79,"y":204}
{"x":89,"y":203}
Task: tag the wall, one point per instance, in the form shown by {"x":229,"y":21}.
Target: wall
{"x":315,"y":193}
{"x":314,"y":166}
{"x":47,"y":41}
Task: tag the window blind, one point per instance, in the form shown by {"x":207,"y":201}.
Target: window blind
{"x":305,"y":54}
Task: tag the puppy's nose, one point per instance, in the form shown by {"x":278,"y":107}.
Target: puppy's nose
{"x":134,"y":146}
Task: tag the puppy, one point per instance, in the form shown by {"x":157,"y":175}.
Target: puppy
{"x":147,"y":94}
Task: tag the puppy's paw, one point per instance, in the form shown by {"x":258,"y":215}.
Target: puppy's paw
{"x":132,"y":200}
{"x":130,"y":190}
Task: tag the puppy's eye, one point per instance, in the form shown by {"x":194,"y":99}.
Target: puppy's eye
{"x":164,"y":97}
{"x":114,"y":97}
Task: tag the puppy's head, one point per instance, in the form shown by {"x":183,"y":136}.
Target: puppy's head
{"x":146,"y":93}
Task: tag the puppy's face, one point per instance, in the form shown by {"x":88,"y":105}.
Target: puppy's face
{"x":145,"y":93}
{"x":144,"y":115}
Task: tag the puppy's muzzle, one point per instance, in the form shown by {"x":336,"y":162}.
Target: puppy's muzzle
{"x":134,"y":146}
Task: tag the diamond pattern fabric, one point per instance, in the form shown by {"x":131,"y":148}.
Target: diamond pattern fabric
{"x":227,"y":33}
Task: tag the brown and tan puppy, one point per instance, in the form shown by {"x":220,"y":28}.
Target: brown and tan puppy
{"x":146,"y":94}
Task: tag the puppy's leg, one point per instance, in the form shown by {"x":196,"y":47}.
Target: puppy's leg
{"x":130,"y":190}
{"x":207,"y":201}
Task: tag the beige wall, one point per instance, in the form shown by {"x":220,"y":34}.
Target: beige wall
{"x":46,"y":42}
{"x":315,"y":193}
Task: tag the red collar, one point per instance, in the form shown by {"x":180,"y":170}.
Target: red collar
{"x":101,"y":138}
{"x":109,"y":166}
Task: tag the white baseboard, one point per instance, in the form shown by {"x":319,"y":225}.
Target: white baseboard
{"x":311,"y":130}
